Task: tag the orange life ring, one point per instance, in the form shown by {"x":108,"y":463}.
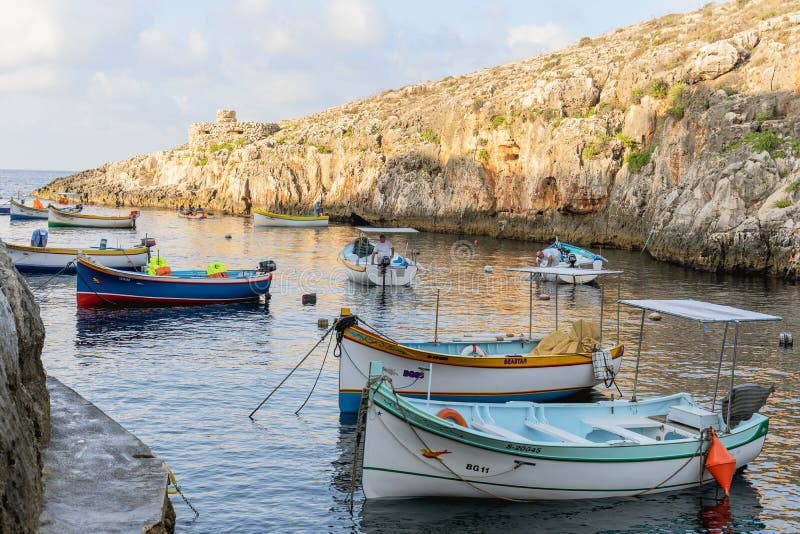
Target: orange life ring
{"x":452,"y":415}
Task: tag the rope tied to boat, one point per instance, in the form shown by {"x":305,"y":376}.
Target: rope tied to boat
{"x":67,"y":266}
{"x":705,"y":436}
{"x":175,"y":488}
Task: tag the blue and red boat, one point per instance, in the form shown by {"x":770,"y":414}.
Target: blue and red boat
{"x":102,"y":286}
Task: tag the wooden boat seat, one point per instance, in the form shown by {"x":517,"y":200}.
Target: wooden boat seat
{"x":616,"y":425}
{"x":554,"y":431}
{"x":498,"y":431}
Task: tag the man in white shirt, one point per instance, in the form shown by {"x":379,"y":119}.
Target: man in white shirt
{"x":548,"y":257}
{"x":383,"y":249}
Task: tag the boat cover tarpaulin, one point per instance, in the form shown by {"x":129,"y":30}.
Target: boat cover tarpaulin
{"x":370,"y":229}
{"x":698,"y":310}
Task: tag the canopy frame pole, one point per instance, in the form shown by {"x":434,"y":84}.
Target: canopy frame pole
{"x":638,"y":357}
{"x":556,"y":282}
{"x":530,"y":306}
{"x":602,"y":294}
{"x":733,"y":372}
{"x":719,"y":367}
{"x":619,"y":296}
{"x":436,"y":322}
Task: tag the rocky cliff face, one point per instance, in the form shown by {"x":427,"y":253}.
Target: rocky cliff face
{"x":684,"y":129}
{"x":24,"y":403}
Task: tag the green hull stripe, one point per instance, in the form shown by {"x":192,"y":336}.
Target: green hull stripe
{"x":757,"y":432}
{"x":481,"y":482}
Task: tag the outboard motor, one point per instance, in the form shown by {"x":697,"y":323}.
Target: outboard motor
{"x":572,"y":259}
{"x":266,"y":266}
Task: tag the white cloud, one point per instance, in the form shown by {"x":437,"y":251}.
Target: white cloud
{"x":536,"y":39}
{"x":182,"y":101}
{"x":35,"y":78}
{"x":31,"y":34}
{"x":151,"y":40}
{"x":116,"y":86}
{"x":198,"y":47}
{"x":355,"y":22}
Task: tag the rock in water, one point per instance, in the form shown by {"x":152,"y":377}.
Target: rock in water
{"x":24,"y":403}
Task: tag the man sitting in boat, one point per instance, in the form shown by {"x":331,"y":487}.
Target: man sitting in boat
{"x":383,"y":249}
{"x":548,"y":257}
{"x":181,"y":210}
{"x":317,"y":209}
{"x":39,"y":238}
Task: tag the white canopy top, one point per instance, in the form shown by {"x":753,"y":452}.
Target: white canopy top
{"x":563,"y":271}
{"x":370,"y":229}
{"x":697,"y":310}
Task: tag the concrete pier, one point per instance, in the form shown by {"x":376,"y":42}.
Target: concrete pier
{"x":98,"y":476}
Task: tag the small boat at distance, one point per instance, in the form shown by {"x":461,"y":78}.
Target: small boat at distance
{"x":360,"y":269}
{"x":192,"y":216}
{"x":19,"y":211}
{"x":268,"y":218}
{"x":101,"y":286}
{"x":529,"y":451}
{"x":5,"y":209}
{"x":573,"y":257}
{"x":59,"y":217}
{"x":57,"y":259}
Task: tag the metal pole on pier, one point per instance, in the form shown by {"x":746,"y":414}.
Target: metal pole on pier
{"x":556,"y":282}
{"x":436,"y":321}
{"x":530,"y":307}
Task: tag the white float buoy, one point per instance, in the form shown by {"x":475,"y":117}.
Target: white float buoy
{"x":544,"y":296}
{"x":488,"y":269}
{"x":655,"y":316}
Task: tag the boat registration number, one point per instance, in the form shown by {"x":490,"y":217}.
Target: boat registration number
{"x":477,"y":468}
{"x":523,"y":448}
{"x":123,"y":279}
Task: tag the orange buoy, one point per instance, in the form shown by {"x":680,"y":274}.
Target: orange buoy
{"x":720,"y":463}
{"x":452,"y":415}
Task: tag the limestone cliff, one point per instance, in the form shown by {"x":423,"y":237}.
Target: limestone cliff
{"x":685,"y":127}
{"x":24,"y":403}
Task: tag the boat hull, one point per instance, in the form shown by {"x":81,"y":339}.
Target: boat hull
{"x":99,"y":286}
{"x":36,"y":259}
{"x":19,"y":211}
{"x":266,"y":218}
{"x":58,"y":217}
{"x":487,"y":468}
{"x":463,"y":378}
{"x":373,"y":275}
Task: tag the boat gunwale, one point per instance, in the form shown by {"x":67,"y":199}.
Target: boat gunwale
{"x":747,"y":432}
{"x":299,"y":218}
{"x":110,"y":271}
{"x":69,"y":215}
{"x":134,"y":251}
{"x":497,"y":362}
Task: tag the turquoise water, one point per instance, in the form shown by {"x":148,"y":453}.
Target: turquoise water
{"x":184,"y":380}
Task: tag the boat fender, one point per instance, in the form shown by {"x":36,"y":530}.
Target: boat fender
{"x":164,"y":270}
{"x":450,"y":414}
{"x":473,"y":350}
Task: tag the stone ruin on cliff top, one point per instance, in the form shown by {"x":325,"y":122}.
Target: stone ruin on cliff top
{"x":228,"y":130}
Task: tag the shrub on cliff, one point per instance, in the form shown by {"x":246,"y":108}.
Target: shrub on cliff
{"x":658,"y":88}
{"x":498,"y":121}
{"x":637,"y":160}
{"x":429,"y":136}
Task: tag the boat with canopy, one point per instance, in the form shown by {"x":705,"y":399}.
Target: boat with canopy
{"x":525,"y":451}
{"x":361,"y":268}
{"x":59,"y":217}
{"x":268,"y":218}
{"x":572,"y":257}
{"x":482,"y":366}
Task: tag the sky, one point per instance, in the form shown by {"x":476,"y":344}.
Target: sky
{"x":83,"y":82}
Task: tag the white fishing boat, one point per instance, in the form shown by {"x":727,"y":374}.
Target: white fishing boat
{"x":362,"y":268}
{"x":18,"y":210}
{"x":58,"y":259}
{"x":268,"y":218}
{"x":482,"y":367}
{"x":527,"y":451}
{"x":573,"y":257}
{"x":58,"y":217}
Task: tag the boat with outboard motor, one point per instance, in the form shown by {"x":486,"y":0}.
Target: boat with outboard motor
{"x":573,"y":256}
{"x":362,"y":268}
{"x":59,"y":217}
{"x":268,"y":218}
{"x":99,"y":285}
{"x":481,"y":367}
{"x":528,"y":451}
{"x":62,"y":259}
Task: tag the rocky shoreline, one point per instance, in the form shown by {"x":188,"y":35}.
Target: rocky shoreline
{"x":684,"y":130}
